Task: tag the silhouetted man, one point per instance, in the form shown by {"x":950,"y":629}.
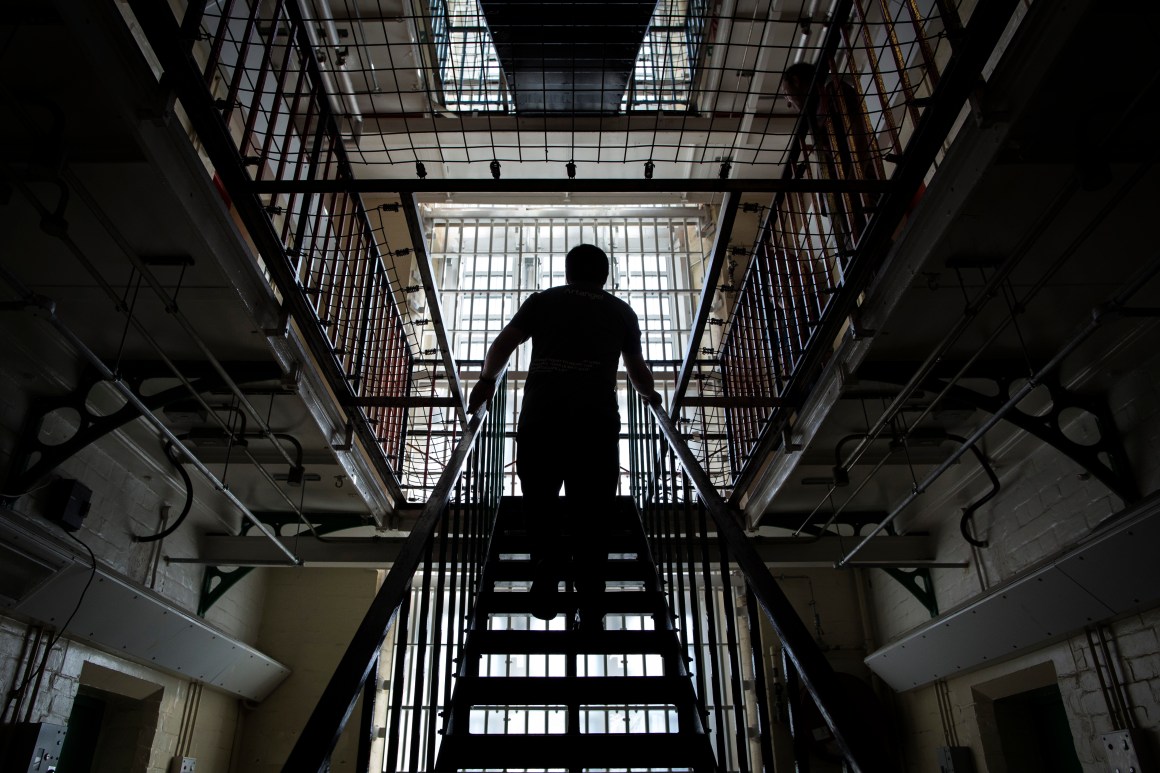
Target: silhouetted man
{"x":569,"y":425}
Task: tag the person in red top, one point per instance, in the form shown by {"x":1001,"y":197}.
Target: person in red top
{"x":569,"y":426}
{"x":844,"y":143}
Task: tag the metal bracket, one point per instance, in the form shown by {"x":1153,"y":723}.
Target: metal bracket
{"x":1115,"y":473}
{"x":217,"y":581}
{"x":919,"y":583}
{"x":33,"y":458}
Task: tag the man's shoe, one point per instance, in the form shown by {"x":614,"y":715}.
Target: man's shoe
{"x":542,"y":596}
{"x":588,"y":621}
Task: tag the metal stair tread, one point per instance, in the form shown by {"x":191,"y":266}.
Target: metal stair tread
{"x":593,"y":750}
{"x":573,"y":690}
{"x":549,"y":642}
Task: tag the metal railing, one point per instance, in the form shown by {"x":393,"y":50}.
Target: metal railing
{"x":444,"y":556}
{"x":264,"y":108}
{"x":882,"y":100}
{"x":717,"y":583}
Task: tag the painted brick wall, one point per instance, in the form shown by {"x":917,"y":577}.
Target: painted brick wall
{"x":1047,"y":503}
{"x":310,"y":617}
{"x":130,"y":481}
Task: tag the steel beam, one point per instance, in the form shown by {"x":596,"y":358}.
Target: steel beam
{"x":434,"y":307}
{"x":725,"y":220}
{"x":401,"y":185}
{"x":380,"y":552}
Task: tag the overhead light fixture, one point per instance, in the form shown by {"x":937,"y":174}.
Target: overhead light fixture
{"x":495,"y":169}
{"x":649,"y":167}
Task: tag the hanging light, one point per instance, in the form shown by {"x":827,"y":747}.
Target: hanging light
{"x":495,"y":169}
{"x":649,"y":166}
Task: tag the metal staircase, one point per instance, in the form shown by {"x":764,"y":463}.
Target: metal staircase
{"x":615,"y":698}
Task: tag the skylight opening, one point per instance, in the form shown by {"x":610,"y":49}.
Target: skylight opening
{"x":468,"y":64}
{"x":472,"y":79}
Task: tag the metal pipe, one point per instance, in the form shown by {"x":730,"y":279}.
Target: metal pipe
{"x":172,"y":308}
{"x":343,"y":91}
{"x":48,"y":308}
{"x":1097,"y":319}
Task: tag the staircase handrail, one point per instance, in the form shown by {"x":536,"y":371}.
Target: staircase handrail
{"x":320,"y":734}
{"x":862,"y":750}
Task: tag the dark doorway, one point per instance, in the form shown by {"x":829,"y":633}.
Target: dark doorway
{"x":1034,"y":732}
{"x":108,"y":732}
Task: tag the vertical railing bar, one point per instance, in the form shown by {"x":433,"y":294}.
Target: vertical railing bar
{"x":215,"y":49}
{"x":391,"y":763}
{"x":260,"y":83}
{"x":899,"y":61}
{"x":757,"y":653}
{"x":240,"y":67}
{"x":437,"y":642}
{"x":734,"y":648}
{"x":879,"y":83}
{"x":717,"y":679}
{"x":279,"y":103}
{"x":422,"y":633}
{"x":929,"y":64}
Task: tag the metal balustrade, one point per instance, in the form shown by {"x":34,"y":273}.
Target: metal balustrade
{"x":430,"y":589}
{"x":885,"y":97}
{"x":720,"y":595}
{"x":277,"y":114}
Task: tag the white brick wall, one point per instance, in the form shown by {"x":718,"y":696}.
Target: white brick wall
{"x":129,"y":486}
{"x":310,"y":617}
{"x":1047,"y":502}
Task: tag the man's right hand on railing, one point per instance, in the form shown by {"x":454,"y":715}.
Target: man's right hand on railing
{"x":483,"y":391}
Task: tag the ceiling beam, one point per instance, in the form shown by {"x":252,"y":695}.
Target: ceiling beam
{"x":379,"y":552}
{"x":564,"y":185}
